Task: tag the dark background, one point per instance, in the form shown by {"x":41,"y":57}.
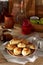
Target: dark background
{"x":4,"y":5}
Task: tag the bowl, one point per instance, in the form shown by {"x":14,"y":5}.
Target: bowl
{"x":21,"y":56}
{"x":35,"y":23}
{"x":38,"y":27}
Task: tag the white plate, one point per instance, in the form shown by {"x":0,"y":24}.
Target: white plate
{"x":20,"y":56}
{"x":20,"y":60}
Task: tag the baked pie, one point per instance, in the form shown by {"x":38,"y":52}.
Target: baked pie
{"x":26,"y":51}
{"x":10,"y":47}
{"x":17,"y":51}
{"x":31,"y":46}
{"x":14,"y":41}
{"x":20,"y":47}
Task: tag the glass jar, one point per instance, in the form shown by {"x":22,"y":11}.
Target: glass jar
{"x":18,"y":11}
{"x":27,"y":27}
{"x":16,"y":8}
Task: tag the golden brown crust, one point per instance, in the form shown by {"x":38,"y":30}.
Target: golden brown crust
{"x":10,"y":47}
{"x":26,"y":51}
{"x":20,"y":47}
{"x":14,"y":41}
{"x":17,"y":51}
{"x":31,"y":46}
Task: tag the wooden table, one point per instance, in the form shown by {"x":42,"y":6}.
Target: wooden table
{"x":39,"y":61}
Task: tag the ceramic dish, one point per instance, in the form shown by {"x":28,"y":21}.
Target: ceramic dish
{"x":21,"y":56}
{"x":24,"y":60}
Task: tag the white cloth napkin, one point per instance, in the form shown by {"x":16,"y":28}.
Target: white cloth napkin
{"x":18,"y":60}
{"x":23,"y":61}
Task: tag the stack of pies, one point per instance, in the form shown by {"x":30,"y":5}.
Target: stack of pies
{"x":20,"y":47}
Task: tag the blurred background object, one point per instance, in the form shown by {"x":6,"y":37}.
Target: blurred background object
{"x":8,"y":21}
{"x":18,"y":11}
{"x":4,"y":9}
{"x":39,"y":8}
{"x":29,"y":7}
